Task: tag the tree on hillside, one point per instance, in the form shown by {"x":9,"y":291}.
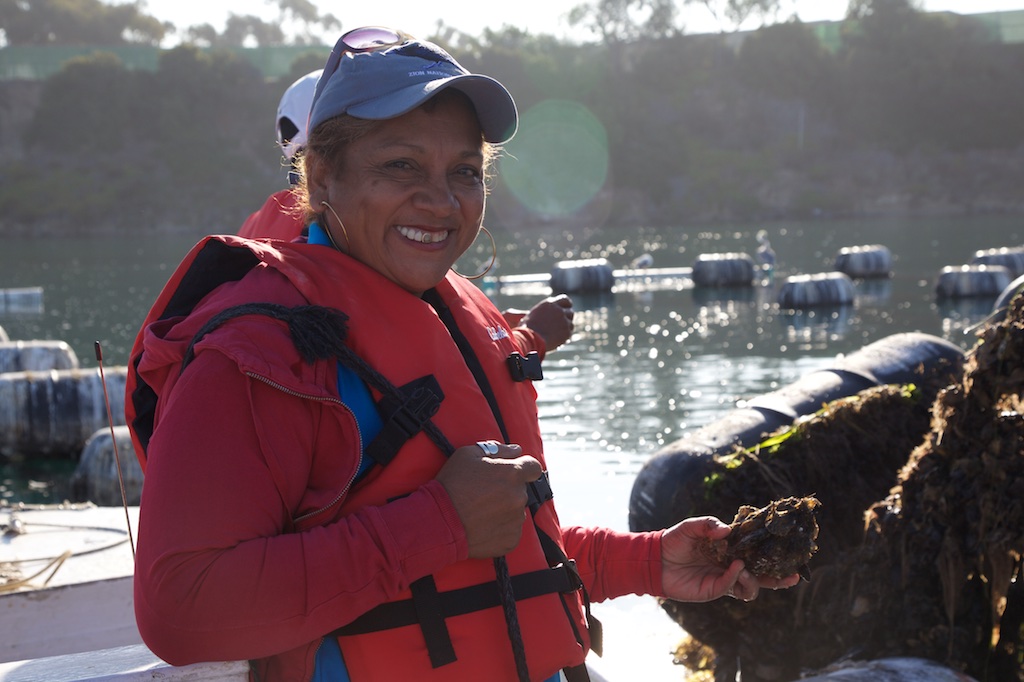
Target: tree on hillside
{"x":78,"y":22}
{"x":623,"y":21}
{"x":239,"y":31}
{"x":299,"y":22}
{"x":915,"y":80}
{"x":788,"y":61}
{"x":535,"y":68}
{"x":734,"y":14}
{"x":85,"y":108}
{"x":859,"y":9}
{"x":309,"y":24}
{"x":634,"y":20}
{"x":112,"y":145}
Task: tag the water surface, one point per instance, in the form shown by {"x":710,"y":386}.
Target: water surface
{"x":645,"y":364}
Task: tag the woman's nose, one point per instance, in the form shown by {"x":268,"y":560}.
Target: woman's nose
{"x":439,"y":196}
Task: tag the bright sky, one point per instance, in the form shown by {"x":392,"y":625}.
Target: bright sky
{"x":472,"y":16}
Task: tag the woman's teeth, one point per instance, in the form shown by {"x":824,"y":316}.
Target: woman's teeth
{"x":422,"y":236}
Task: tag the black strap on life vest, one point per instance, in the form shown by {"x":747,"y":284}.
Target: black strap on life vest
{"x":508,"y":598}
{"x":403,"y":419}
{"x":317,"y":332}
{"x":552,"y":552}
{"x":429,"y":613}
{"x":472,"y":361}
{"x":461,"y":601}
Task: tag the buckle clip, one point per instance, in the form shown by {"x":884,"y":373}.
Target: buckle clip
{"x":525,"y":367}
{"x":411,"y":415}
{"x":575,"y":581}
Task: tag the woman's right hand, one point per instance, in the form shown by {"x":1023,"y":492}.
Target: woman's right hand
{"x":489,"y":494}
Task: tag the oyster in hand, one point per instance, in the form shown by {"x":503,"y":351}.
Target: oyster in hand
{"x":776,"y":541}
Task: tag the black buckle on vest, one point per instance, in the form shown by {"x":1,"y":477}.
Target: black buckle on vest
{"x":575,"y":581}
{"x":403,"y":420}
{"x":538,"y":492}
{"x":525,"y":367}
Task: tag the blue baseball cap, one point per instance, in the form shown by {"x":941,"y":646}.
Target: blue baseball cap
{"x":389,"y":82}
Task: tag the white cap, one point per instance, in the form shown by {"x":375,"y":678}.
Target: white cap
{"x":293,"y":113}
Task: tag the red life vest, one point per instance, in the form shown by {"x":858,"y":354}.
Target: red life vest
{"x":405,"y":338}
{"x":550,"y":622}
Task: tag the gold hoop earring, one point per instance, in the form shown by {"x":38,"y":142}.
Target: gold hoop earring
{"x":494,"y":257}
{"x":327,"y":229}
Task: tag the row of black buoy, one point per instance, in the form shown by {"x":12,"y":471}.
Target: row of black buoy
{"x":738,"y":269}
{"x":52,"y":407}
{"x":990,"y":272}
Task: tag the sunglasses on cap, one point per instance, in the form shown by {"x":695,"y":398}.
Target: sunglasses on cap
{"x":370,"y":38}
{"x":358,"y":41}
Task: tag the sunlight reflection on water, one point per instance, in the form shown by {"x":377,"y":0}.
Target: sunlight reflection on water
{"x":647,"y":363}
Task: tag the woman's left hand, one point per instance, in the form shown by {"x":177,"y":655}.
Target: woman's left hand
{"x":688,"y":575}
{"x":552,"y":318}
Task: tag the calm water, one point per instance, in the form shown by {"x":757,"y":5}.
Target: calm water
{"x":643,"y":367}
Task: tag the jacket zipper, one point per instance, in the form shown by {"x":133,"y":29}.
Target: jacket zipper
{"x":306,"y":396}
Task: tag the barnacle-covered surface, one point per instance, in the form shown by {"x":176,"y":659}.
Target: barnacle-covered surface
{"x":776,"y":540}
{"x":951,"y":533}
{"x":847,"y":456}
{"x":931,"y":569}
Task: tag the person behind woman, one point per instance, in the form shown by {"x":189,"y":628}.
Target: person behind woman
{"x":277,"y":218}
{"x":345,"y":478}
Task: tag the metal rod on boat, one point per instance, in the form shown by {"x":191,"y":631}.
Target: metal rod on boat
{"x":117,"y":455}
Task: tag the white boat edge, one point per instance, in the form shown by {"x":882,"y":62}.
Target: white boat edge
{"x":135,"y":663}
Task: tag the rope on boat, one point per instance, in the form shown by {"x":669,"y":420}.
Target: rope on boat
{"x":17,"y":527}
{"x":55,"y":562}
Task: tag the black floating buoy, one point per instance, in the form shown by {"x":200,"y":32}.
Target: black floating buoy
{"x":723,"y":270}
{"x":96,"y":476}
{"x":966,"y":281}
{"x":1011,"y":258}
{"x":36,"y":356}
{"x":21,"y":301}
{"x":819,"y":289}
{"x":590,"y":275}
{"x":863,"y":262}
{"x":55,"y":412}
{"x":1002,"y":303}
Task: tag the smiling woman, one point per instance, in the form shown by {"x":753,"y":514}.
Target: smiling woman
{"x":344,"y":470}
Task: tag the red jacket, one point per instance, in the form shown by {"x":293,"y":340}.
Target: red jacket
{"x":252,"y":545}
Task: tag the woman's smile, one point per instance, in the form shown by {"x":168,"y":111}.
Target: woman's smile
{"x":423,"y":236}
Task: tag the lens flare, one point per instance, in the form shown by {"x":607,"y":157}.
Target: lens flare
{"x":558,"y":160}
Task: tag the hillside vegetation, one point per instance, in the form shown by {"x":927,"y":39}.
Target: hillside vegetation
{"x":913,"y":113}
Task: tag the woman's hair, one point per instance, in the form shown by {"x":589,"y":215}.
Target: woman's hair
{"x":328,"y":142}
